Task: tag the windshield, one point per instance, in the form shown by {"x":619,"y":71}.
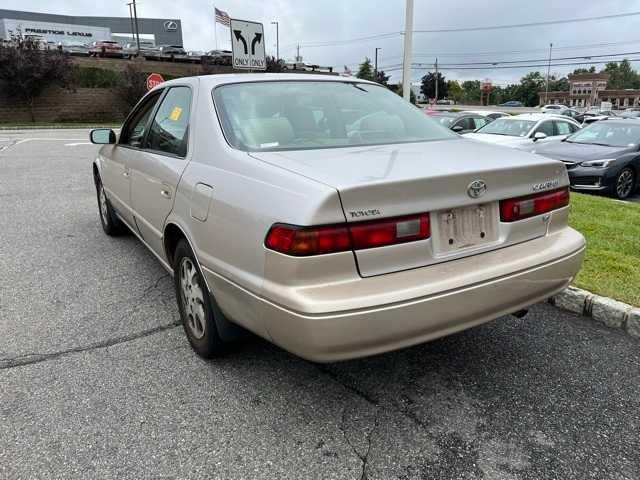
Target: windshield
{"x":508,"y":126}
{"x":294,"y":115}
{"x":609,"y":134}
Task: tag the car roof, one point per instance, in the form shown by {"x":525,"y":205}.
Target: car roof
{"x":484,"y":113}
{"x":536,"y":117}
{"x":212,"y":81}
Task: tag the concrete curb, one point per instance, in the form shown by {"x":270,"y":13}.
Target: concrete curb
{"x":609,"y":312}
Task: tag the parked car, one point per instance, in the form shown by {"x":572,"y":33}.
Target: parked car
{"x":602,"y":157}
{"x":460,"y":122}
{"x":512,"y":103}
{"x":520,"y":131}
{"x":329,"y":216}
{"x":552,"y":106}
{"x":130,"y":50}
{"x":488,"y":114}
{"x":105,"y":48}
{"x":172,"y":52}
{"x":220,"y":57}
{"x":630,"y":114}
{"x":77,"y":49}
{"x":566,"y":112}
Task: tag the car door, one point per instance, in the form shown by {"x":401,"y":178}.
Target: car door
{"x":115,"y":166}
{"x":156,"y":169}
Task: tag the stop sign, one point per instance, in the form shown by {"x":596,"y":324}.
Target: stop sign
{"x":153,"y":80}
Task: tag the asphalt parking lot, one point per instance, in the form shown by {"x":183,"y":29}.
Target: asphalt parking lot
{"x":98,"y":381}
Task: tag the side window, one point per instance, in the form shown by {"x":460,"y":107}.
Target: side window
{"x":546,"y":128}
{"x":480,"y":122}
{"x":465,"y":123}
{"x":563,"y":128}
{"x":135,"y":129}
{"x":169,"y":129}
{"x":573,"y":128}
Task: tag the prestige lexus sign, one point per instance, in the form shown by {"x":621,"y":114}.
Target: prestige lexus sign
{"x":42,"y":31}
{"x":54,"y":32}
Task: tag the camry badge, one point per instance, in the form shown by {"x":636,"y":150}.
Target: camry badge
{"x":477,"y":188}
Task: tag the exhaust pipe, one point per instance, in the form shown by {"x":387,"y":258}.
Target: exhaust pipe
{"x":520,"y":313}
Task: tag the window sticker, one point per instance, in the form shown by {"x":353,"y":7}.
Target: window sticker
{"x":175,"y":114}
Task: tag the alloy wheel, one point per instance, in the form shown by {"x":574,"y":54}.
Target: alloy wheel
{"x":104,"y":209}
{"x":192,"y":298}
{"x":624,"y":185}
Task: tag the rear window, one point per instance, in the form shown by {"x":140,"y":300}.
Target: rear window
{"x":296,"y":115}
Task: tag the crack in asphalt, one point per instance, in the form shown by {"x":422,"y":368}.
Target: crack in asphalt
{"x":31,"y":358}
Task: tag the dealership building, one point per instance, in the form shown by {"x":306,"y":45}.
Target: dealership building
{"x":67,"y":28}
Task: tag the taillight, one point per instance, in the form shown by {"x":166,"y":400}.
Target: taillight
{"x":305,"y":241}
{"x":519,"y":208}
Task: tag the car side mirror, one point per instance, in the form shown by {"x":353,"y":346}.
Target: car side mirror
{"x":457,"y":128}
{"x":539,"y":136}
{"x":102,"y":136}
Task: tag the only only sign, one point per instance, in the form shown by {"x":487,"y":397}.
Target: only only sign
{"x":247,"y":45}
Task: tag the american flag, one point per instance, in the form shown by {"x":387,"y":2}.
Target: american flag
{"x":222,"y":17}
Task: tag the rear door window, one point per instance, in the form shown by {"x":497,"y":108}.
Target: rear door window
{"x":563,"y":128}
{"x":169,"y":130}
{"x":479,"y":122}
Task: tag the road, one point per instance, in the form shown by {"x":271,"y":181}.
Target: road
{"x":98,"y":381}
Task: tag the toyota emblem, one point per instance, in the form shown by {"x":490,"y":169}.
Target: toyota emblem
{"x":477,"y":188}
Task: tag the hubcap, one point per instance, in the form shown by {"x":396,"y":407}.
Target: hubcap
{"x":625,"y":183}
{"x":192,"y":298}
{"x":103,"y":205}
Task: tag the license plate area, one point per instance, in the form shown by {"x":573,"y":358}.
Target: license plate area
{"x":465,"y":228}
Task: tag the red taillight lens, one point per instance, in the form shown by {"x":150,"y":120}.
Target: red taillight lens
{"x":389,"y":232}
{"x":305,"y":241}
{"x":301,"y":241}
{"x":519,"y":208}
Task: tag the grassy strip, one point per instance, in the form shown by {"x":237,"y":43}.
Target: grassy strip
{"x":612,"y":230}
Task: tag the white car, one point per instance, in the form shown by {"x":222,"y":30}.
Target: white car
{"x":552,"y":106}
{"x":521,"y":131}
{"x":328,"y":215}
{"x":491,"y":115}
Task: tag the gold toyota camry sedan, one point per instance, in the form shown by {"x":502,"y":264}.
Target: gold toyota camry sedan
{"x":328,"y":215}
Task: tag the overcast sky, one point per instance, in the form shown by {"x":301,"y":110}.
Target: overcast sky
{"x":309,"y":21}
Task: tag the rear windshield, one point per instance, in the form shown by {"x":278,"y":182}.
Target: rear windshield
{"x":294,"y":115}
{"x":508,"y":126}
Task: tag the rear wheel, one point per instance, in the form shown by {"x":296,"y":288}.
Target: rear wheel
{"x":625,"y":183}
{"x":195,"y":305}
{"x":111,"y":224}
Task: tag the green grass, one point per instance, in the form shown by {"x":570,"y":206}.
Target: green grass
{"x":612,"y":229}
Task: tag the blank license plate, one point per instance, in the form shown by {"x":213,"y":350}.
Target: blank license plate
{"x":466,"y":227}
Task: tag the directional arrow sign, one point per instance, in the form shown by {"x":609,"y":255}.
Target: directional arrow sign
{"x":247,"y":45}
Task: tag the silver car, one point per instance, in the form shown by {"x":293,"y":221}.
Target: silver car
{"x":328,"y":215}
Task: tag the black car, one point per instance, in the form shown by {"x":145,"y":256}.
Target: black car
{"x":603,"y":157}
{"x":460,"y":122}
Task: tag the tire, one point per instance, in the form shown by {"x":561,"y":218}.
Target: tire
{"x":111,"y":224}
{"x":625,"y":183}
{"x":195,"y":304}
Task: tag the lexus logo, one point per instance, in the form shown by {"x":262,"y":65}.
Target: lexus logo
{"x":171,"y":26}
{"x":477,"y":188}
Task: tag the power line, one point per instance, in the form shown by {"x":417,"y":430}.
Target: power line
{"x":527,"y":25}
{"x":392,"y":68}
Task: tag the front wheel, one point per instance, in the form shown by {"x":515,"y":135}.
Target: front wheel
{"x":111,"y":224}
{"x":195,"y":305}
{"x":625,"y":183}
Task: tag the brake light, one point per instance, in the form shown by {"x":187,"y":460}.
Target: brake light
{"x":519,"y":208}
{"x":305,"y":241}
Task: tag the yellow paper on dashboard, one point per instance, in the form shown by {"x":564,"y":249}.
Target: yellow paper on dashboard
{"x":175,"y":114}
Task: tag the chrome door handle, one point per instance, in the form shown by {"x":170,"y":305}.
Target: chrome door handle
{"x":125,"y":174}
{"x":165,"y":193}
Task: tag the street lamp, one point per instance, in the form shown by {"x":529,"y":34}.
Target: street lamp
{"x":277,"y":41}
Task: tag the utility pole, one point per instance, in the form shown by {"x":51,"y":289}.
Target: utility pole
{"x":436,"y":79}
{"x":277,"y":41}
{"x":546,"y":90}
{"x":406,"y":61}
{"x":133,"y":35}
{"x":375,"y":69}
{"x":135,"y":16}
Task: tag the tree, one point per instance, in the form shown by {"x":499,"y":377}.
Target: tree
{"x":26,"y":72}
{"x":366,"y":70}
{"x":428,"y":87}
{"x":578,"y":71}
{"x":133,"y":84}
{"x":471,"y":91}
{"x":621,"y":75}
{"x":455,"y":91}
{"x":530,"y":86}
{"x":273,"y":64}
{"x":382,"y":78}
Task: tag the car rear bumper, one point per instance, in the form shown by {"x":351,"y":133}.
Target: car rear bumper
{"x":525,"y":274}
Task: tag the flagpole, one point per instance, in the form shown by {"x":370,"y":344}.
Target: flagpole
{"x":215,"y":28}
